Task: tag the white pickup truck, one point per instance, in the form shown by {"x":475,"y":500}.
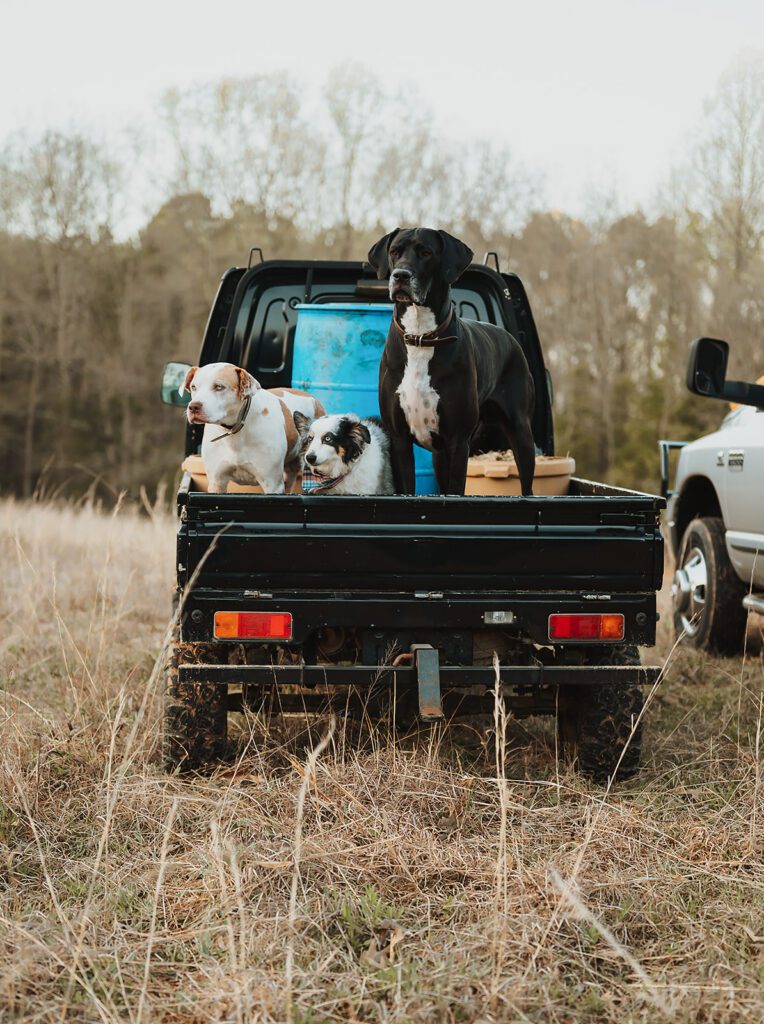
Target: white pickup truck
{"x":716,"y":510}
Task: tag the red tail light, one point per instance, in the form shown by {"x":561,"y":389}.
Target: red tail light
{"x":586,"y":627}
{"x":253,"y":625}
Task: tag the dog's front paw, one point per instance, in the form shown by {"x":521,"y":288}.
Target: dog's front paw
{"x":272,"y":486}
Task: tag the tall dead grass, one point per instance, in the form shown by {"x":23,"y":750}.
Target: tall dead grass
{"x":439,"y":880}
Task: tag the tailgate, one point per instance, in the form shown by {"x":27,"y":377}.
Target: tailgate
{"x":396,"y":544}
{"x":447,"y":560}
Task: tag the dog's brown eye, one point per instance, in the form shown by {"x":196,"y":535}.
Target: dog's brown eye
{"x":395,"y":253}
{"x":424,"y":253}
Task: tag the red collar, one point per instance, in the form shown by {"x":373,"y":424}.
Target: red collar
{"x":432,"y":337}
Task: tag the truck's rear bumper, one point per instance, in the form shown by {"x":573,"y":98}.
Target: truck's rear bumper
{"x":456,"y":676}
{"x":441,"y":691}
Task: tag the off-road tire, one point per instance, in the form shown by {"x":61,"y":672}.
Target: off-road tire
{"x":195,"y":714}
{"x":721,"y":626}
{"x":596,"y":724}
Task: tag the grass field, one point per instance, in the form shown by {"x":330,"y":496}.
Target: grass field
{"x":425,"y":881}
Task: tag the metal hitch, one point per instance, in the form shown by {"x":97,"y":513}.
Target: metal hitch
{"x":427,"y":667}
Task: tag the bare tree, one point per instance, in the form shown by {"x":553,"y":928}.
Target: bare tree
{"x":730,"y":163}
{"x":494,"y":189}
{"x":730,"y":168}
{"x":68,"y":182}
{"x":355,"y":101}
{"x":244,"y":140}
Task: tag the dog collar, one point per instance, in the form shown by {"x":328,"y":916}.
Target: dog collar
{"x":312,"y":483}
{"x":239,"y":421}
{"x":432,"y":337}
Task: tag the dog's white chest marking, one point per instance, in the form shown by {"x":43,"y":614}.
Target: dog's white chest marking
{"x":419,"y":400}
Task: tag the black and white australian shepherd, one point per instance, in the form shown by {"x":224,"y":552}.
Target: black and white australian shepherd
{"x":343,"y":454}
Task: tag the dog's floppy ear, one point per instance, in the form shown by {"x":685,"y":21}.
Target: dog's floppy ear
{"x":455,"y":256}
{"x":186,"y":385}
{"x":378,"y":258}
{"x":302,"y":423}
{"x":246,"y":383}
{"x":358,"y":436}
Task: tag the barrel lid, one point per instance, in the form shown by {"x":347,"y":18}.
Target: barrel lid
{"x":355,"y":307}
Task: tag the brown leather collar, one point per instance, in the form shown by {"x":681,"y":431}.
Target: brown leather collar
{"x":236,"y":427}
{"x":431,"y":338}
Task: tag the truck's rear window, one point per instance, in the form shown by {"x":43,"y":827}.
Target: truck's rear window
{"x":262,"y":341}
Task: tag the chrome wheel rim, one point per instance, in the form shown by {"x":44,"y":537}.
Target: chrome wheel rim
{"x":689,"y":590}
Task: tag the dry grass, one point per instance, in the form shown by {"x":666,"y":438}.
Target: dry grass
{"x":437,"y":881}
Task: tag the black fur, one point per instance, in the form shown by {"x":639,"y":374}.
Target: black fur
{"x":352,"y":437}
{"x":378,"y":255}
{"x":482,"y":377}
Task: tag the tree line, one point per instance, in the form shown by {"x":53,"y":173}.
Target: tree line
{"x":89,"y":316}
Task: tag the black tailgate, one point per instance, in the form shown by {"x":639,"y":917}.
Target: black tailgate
{"x":402,"y":545}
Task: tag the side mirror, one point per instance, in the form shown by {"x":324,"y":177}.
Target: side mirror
{"x":173,"y":378}
{"x":707,"y":374}
{"x":707,"y":367}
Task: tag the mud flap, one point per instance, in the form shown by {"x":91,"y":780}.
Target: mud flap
{"x":427,"y":666}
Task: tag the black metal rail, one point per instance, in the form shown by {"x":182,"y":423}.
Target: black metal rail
{"x":450,"y":675}
{"x":355,"y":705}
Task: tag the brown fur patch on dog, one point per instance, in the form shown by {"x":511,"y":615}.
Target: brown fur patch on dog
{"x":243,"y":381}
{"x":237,"y":379}
{"x":189,"y":377}
{"x":278,"y":392}
{"x":265,"y":412}
{"x":289,"y":391}
{"x":360,"y":434}
{"x":292,"y":437}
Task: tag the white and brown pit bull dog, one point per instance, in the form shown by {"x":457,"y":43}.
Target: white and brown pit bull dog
{"x":249,"y":433}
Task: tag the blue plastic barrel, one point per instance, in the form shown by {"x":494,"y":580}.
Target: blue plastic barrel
{"x":337,"y":349}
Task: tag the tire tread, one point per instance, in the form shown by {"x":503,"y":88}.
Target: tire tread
{"x":195,"y":714}
{"x":596,"y":723}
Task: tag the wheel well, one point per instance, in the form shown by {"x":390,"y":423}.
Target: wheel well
{"x":698,"y":498}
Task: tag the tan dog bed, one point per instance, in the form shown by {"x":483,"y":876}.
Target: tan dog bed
{"x":194,"y":466}
{"x":495,"y":473}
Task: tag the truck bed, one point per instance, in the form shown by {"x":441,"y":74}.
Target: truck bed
{"x":378,"y":562}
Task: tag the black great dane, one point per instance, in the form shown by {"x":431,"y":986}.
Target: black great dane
{"x":453,"y":386}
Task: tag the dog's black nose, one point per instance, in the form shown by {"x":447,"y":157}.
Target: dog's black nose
{"x":311,"y":458}
{"x":401,"y":275}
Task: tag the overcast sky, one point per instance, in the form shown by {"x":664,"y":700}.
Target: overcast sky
{"x":596,"y":94}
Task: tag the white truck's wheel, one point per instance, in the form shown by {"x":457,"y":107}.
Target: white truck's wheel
{"x":707,"y":595}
